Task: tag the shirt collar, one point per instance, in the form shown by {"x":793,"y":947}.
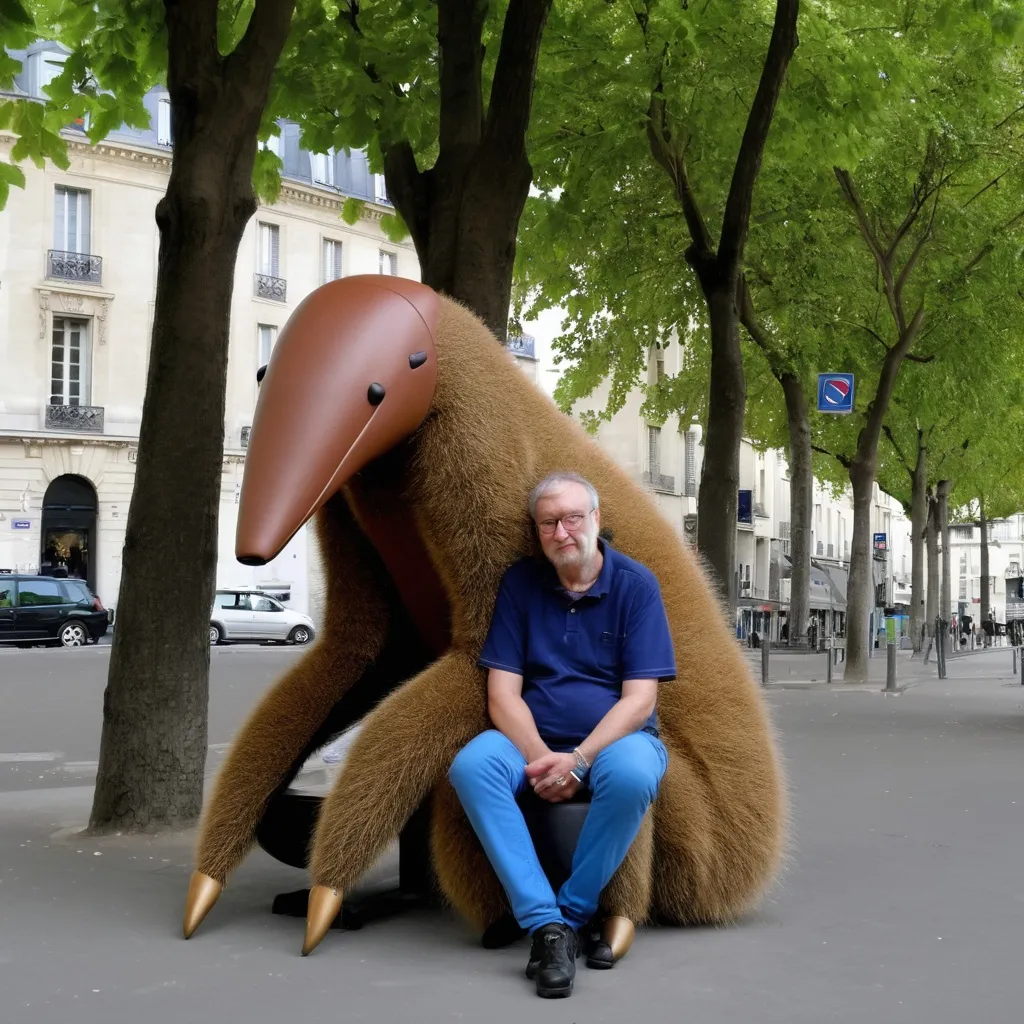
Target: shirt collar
{"x":601,"y":586}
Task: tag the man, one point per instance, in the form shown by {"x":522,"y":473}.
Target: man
{"x":577,"y":645}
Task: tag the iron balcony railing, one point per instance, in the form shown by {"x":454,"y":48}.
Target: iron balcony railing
{"x":74,"y":266}
{"x":273,"y":288}
{"x":85,"y":418}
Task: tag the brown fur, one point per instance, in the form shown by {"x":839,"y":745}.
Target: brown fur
{"x":713,"y":840}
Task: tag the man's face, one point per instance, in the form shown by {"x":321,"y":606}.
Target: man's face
{"x":575,"y":545}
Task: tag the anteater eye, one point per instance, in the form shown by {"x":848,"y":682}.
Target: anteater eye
{"x":260,"y":374}
{"x":375,"y":394}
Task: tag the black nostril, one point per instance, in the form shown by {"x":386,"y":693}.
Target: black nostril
{"x":375,"y":394}
{"x":260,"y":374}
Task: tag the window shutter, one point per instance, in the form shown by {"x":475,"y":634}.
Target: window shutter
{"x":84,"y":221}
{"x":60,"y":237}
{"x":275,"y":251}
{"x":337,"y":259}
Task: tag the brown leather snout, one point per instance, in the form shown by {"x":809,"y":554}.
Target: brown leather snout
{"x":353,"y":374}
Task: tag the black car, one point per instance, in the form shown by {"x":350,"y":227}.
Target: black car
{"x":45,"y":609}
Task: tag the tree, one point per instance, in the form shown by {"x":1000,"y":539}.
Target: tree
{"x":672,"y":56}
{"x":925,"y":208}
{"x":441,"y":112}
{"x":217,"y":63}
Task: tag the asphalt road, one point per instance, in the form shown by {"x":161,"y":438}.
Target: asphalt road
{"x":51,"y":707}
{"x":903,"y":899}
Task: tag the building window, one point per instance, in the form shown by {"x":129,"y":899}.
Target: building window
{"x":963,"y":564}
{"x":69,"y":362}
{"x":273,"y":144}
{"x":270,"y":250}
{"x":71,"y":219}
{"x":690,"y":462}
{"x":654,"y":453}
{"x":380,"y":189}
{"x":963,"y":588}
{"x":266,"y":335}
{"x":323,"y":168}
{"x":163,"y":122}
{"x":389,"y":263}
{"x":961,"y":533}
{"x":43,"y":67}
{"x":331,"y":260}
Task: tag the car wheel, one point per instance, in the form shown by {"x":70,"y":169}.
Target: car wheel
{"x":215,"y":634}
{"x":73,"y":634}
{"x":300,"y":635}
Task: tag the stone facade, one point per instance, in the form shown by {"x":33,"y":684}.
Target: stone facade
{"x":76,"y":314}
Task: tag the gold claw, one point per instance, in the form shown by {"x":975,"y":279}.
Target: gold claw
{"x":324,"y":905}
{"x":618,"y":933}
{"x":203,"y":892}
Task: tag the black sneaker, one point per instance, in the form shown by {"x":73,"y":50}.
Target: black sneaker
{"x":553,"y":960}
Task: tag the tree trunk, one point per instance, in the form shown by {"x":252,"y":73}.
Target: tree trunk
{"x":932,"y":534}
{"x":860,"y":585}
{"x":718,"y":269}
{"x":918,"y":526}
{"x":463,"y":213}
{"x":946,"y":577}
{"x":801,"y":503}
{"x":153,"y":746}
{"x":986,"y":597}
{"x":720,"y":475}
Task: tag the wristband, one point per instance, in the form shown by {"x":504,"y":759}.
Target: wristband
{"x":582,"y":765}
{"x":576,"y":773}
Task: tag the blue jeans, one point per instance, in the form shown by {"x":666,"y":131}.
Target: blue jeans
{"x":490,"y":772}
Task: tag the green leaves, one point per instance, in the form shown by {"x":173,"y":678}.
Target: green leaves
{"x":9,"y":175}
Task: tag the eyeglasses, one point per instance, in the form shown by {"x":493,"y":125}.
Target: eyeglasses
{"x":571,"y":523}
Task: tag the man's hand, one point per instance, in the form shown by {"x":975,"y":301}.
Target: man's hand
{"x":545,"y":772}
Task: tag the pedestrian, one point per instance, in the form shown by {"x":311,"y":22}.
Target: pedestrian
{"x":578,"y":642}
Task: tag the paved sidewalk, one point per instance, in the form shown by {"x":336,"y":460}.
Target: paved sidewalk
{"x":903,"y":902}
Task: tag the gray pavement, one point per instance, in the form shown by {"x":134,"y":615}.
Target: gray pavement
{"x":903,"y":900}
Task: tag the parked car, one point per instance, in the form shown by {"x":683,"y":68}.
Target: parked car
{"x":44,"y":609}
{"x":240,"y":615}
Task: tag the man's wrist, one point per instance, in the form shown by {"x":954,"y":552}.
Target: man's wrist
{"x":582,"y":768}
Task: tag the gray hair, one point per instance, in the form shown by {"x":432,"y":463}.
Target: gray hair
{"x":551,"y":483}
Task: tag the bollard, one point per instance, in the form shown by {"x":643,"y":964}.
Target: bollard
{"x":1015,"y":661}
{"x":828,"y":666}
{"x":890,"y":666}
{"x":765,"y":644}
{"x":1022,"y":668}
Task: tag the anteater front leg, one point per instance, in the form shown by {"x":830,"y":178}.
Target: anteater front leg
{"x":404,"y":749}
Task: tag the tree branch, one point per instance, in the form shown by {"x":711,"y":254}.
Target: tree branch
{"x":736,"y":221}
{"x":659,"y":138}
{"x":849,"y":190}
{"x":461,"y":53}
{"x":508,"y":110}
{"x":899,"y":451}
{"x":874,"y":334}
{"x":912,"y":261}
{"x":920,"y":359}
{"x":251,"y":64}
{"x":843,"y":460}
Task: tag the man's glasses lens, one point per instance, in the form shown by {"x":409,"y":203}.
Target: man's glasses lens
{"x":573,"y":522}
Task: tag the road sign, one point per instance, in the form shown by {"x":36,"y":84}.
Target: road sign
{"x":880,"y":542}
{"x":21,"y":524}
{"x":835,"y":392}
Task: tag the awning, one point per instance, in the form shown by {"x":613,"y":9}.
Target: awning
{"x":828,"y":585}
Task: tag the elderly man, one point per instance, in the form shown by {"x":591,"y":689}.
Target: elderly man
{"x":578,"y":643}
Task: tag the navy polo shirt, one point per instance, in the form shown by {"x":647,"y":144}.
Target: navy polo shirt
{"x":574,"y":652}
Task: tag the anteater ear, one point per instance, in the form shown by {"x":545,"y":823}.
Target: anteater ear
{"x":606,"y":534}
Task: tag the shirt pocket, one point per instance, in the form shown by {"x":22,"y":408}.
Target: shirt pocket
{"x":609,"y":650}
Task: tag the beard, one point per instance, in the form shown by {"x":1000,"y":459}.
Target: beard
{"x":579,"y":555}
